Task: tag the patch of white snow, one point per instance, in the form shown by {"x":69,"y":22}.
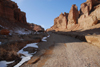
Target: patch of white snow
{"x":22,"y":31}
{"x":0,"y":43}
{"x":44,"y":39}
{"x":24,"y":59}
{"x":38,"y":33}
{"x":1,"y":26}
{"x":31,"y":45}
{"x":4,"y":63}
{"x":34,"y":32}
{"x":27,"y":55}
{"x":48,"y":36}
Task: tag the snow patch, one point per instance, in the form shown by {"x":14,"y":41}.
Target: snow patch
{"x":0,"y":43}
{"x":27,"y":55}
{"x":10,"y":34}
{"x":24,"y":59}
{"x":31,"y":45}
{"x":44,"y":39}
{"x":36,"y":32}
{"x":48,"y":36}
{"x":1,"y":26}
{"x":4,"y":63}
{"x":22,"y":31}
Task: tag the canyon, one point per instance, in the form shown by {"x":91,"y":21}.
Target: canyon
{"x":73,"y":40}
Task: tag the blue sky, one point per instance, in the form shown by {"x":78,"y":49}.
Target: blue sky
{"x":43,"y":12}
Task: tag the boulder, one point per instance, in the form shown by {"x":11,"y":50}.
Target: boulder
{"x":4,"y":32}
{"x":93,"y":39}
{"x":30,"y":49}
{"x":73,"y":16}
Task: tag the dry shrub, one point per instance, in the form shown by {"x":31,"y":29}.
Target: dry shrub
{"x":4,"y":32}
{"x":9,"y":51}
{"x":8,"y":55}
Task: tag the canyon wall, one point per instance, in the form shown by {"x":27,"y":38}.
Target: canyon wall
{"x":87,"y":16}
{"x":9,"y":10}
{"x":12,"y":18}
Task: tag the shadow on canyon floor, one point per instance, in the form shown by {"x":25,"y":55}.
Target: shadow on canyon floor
{"x":80,"y":34}
{"x":57,"y":39}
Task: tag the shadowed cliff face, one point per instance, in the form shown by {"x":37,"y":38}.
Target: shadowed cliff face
{"x":9,"y":10}
{"x":12,"y":18}
{"x":87,"y":16}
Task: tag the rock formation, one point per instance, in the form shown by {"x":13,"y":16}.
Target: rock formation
{"x":36,"y":27}
{"x":88,"y":16}
{"x":60,"y":22}
{"x":94,"y":39}
{"x":73,"y":16}
{"x":88,"y":21}
{"x":88,"y":6}
{"x":11,"y":17}
{"x":10,"y":11}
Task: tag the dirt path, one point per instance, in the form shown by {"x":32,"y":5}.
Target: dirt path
{"x":65,"y":51}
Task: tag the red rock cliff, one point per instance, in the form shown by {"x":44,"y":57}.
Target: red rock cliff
{"x":11,"y":17}
{"x":10,"y":11}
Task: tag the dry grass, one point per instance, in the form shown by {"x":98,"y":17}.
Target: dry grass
{"x":9,"y":52}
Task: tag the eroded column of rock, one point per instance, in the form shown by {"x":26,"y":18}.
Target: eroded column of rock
{"x":87,"y":18}
{"x":60,"y":22}
{"x":73,"y":16}
{"x":88,"y":6}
